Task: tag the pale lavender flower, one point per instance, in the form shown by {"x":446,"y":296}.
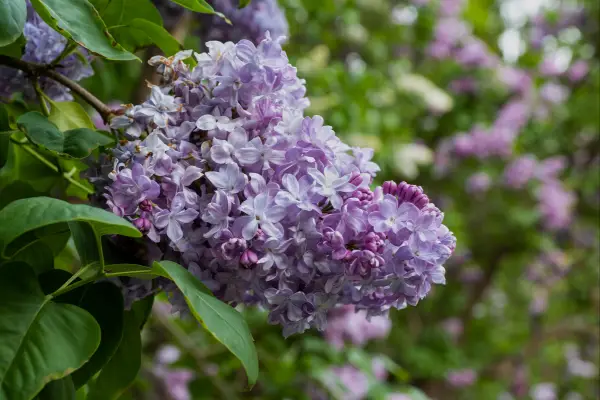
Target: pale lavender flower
{"x":174,"y":218}
{"x":330,"y":184}
{"x":544,"y":391}
{"x":229,"y":179}
{"x":478,"y":183}
{"x":158,"y":107}
{"x":348,"y":324}
{"x":261,"y":213}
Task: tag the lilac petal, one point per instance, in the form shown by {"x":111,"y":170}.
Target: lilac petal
{"x":250,"y":226}
{"x":186,"y":216}
{"x":191,"y":174}
{"x":174,"y":231}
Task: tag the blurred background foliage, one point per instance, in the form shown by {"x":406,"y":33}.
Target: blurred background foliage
{"x":520,"y":313}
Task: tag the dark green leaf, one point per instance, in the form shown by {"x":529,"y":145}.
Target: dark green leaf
{"x":200,"y":6}
{"x":105,"y":302}
{"x":37,"y":255}
{"x":40,"y":340}
{"x":140,"y":32}
{"x":87,"y":244}
{"x":222,"y":321}
{"x":123,"y":367}
{"x":121,"y":12}
{"x":69,"y":115}
{"x":26,"y":215}
{"x":243,"y":3}
{"x":16,"y":190}
{"x":77,"y":143}
{"x":13,"y":14}
{"x":61,"y":389}
{"x":142,"y":309}
{"x":80,"y":21}
{"x":15,"y":49}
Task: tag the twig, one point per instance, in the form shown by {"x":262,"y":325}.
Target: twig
{"x":35,"y":70}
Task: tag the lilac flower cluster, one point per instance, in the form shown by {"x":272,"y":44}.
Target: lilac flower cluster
{"x":345,"y":323}
{"x":44,"y":45}
{"x":250,"y":22}
{"x":266,"y":206}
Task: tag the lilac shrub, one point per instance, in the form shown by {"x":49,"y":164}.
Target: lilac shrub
{"x":43,"y":45}
{"x":268,"y":207}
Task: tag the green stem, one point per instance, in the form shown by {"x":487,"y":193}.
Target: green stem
{"x":41,"y":97}
{"x":67,"y":175}
{"x":67,"y":287}
{"x":69,"y":48}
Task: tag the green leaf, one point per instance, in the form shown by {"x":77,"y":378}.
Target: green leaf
{"x":121,"y":12}
{"x":40,"y":340}
{"x":142,"y":309}
{"x":87,"y":244}
{"x":69,"y":115}
{"x":222,"y":321}
{"x":37,"y":255}
{"x":80,"y":21}
{"x":123,"y":367}
{"x":26,"y":215}
{"x":243,"y":3}
{"x":15,"y":49}
{"x":105,"y":302}
{"x":77,"y":143}
{"x":61,"y":389}
{"x":13,"y":14}
{"x":140,"y":32}
{"x":200,"y":6}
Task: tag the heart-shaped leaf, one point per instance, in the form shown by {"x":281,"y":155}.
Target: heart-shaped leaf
{"x":222,"y":321}
{"x":13,"y":14}
{"x":77,"y":143}
{"x":40,"y":340}
{"x":80,"y":21}
{"x":26,"y":215}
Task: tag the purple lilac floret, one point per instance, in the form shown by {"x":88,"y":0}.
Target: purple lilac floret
{"x":44,"y":45}
{"x":264,"y":205}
